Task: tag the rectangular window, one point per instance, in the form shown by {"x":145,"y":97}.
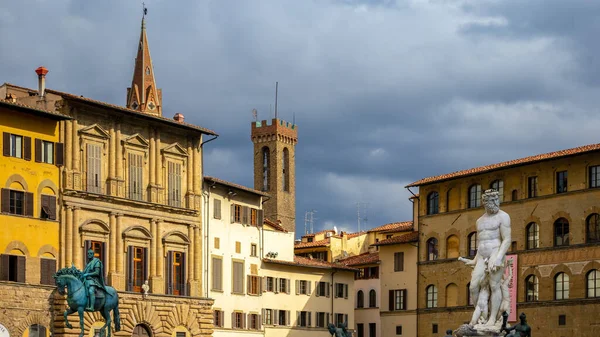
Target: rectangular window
{"x":303,"y":287}
{"x":341,"y":290}
{"x":174,"y":184}
{"x":47,"y":270}
{"x":389,"y":236}
{"x":360,"y":330}
{"x":238,"y":247}
{"x":46,"y":151}
{"x":269,"y":284}
{"x":12,"y":268}
{"x":399,"y":261}
{"x":217,"y":243}
{"x":434,"y":328}
{"x":237,"y":320}
{"x":532,"y":184}
{"x":217,"y":209}
{"x":372,"y":330}
{"x":137,"y":268}
{"x":238,"y":277}
{"x":561,"y":182}
{"x":284,"y":317}
{"x":253,"y":285}
{"x":253,"y":249}
{"x":268,"y":313}
{"x":180,"y":334}
{"x":323,"y":289}
{"x":237,"y":215}
{"x":217,"y":274}
{"x":398,"y":330}
{"x":303,"y":319}
{"x":177,"y":273}
{"x":254,"y":217}
{"x":594,"y":176}
{"x":16,"y":146}
{"x":48,"y":207}
{"x":322,"y":319}
{"x":136,"y":170}
{"x":340,"y":318}
{"x":17,"y":202}
{"x":562,"y":319}
{"x":397,"y":299}
{"x":253,"y":322}
{"x":97,"y":247}
{"x":284,"y":285}
{"x":94,"y":168}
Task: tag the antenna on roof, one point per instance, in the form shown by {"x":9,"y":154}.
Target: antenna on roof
{"x":276,"y":87}
{"x":365,"y":219}
{"x":309,"y":221}
{"x":145,"y":9}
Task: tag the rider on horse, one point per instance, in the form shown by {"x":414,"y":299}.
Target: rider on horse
{"x":93,"y":277}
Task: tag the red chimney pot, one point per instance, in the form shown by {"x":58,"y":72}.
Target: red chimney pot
{"x":41,"y":71}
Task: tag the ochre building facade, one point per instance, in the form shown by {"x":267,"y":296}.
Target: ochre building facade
{"x":554,"y":204}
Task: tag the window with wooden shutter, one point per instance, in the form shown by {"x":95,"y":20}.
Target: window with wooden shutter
{"x":232,"y":213}
{"x":261,"y":217}
{"x":6,"y":144}
{"x":38,"y":151}
{"x":238,"y":247}
{"x":238,"y":277}
{"x":47,"y":270}
{"x":137,"y":268}
{"x":135,"y":176}
{"x":217,"y":274}
{"x":245,"y":215}
{"x":94,"y":168}
{"x":59,"y":155}
{"x":27,"y":148}
{"x":174,"y":184}
{"x":399,"y":261}
{"x":217,"y":209}
{"x":48,"y":207}
{"x":12,"y":268}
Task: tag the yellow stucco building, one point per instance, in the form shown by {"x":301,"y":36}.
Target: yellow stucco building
{"x":29,"y":227}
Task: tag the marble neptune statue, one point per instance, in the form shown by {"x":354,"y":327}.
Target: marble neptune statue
{"x":488,"y":288}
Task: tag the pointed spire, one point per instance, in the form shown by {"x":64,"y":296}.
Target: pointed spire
{"x":143,"y":94}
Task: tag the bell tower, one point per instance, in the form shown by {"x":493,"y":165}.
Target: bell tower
{"x":275,"y":168}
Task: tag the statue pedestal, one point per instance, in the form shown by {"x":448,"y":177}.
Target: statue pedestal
{"x":467,"y":330}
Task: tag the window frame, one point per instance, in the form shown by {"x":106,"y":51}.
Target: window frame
{"x":592,"y":220}
{"x":562,"y":185}
{"x":431,"y":296}
{"x":594,"y":176}
{"x":433,"y":203}
{"x":498,"y":185}
{"x":360,"y":299}
{"x":532,"y":292}
{"x":532,"y":187}
{"x":433,"y":252}
{"x":563,"y":225}
{"x":472,"y":244}
{"x":561,"y":286}
{"x":593,"y":276}
{"x":372,"y":298}
{"x":532,"y":232}
{"x":474,"y":196}
{"x":16,"y":149}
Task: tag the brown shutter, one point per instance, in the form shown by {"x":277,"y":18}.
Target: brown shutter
{"x":59,"y":154}
{"x":21,"y":269}
{"x":38,"y":150}
{"x":5,"y":200}
{"x":345,"y":291}
{"x":232,"y":213}
{"x":170,"y":272}
{"x":184,"y":278}
{"x":328,"y":289}
{"x":391,"y":300}
{"x":27,"y":148}
{"x":260,"y":217}
{"x":28,"y":204}
{"x":233,"y":320}
{"x":404,"y":299}
{"x":401,"y":261}
{"x":47,"y":269}
{"x":129,"y":268}
{"x":4,"y":261}
{"x":6,"y":144}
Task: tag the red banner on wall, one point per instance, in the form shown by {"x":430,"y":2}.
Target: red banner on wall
{"x":511,"y":262}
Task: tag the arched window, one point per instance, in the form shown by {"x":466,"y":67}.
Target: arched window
{"x":448,"y":195}
{"x":593,"y":283}
{"x":593,"y":228}
{"x":533,"y":236}
{"x":475,"y":196}
{"x":515,"y":195}
{"x":472,"y":239}
{"x":360,"y":299}
{"x":452,"y":244}
{"x":433,"y":203}
{"x":266,"y":159}
{"x":561,"y":232}
{"x":561,"y":286}
{"x":372,"y":299}
{"x":451,"y":295}
{"x":431,"y":296}
{"x":286,"y":170}
{"x":140,"y":330}
{"x":531,"y":288}
{"x":37,"y":330}
{"x":498,"y":185}
{"x":432,"y":249}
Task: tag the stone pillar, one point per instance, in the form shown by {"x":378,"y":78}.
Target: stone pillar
{"x":191,"y":262}
{"x":152,"y":251}
{"x":77,"y":247}
{"x":112,"y":148}
{"x":69,"y":236}
{"x":112,"y":243}
{"x":190,"y":175}
{"x":158,"y":282}
{"x":197,"y":253}
{"x":158,"y":157}
{"x":119,"y":254}
{"x":152,"y":166}
{"x":197,"y":175}
{"x":67,"y":178}
{"x":63,"y":237}
{"x":119,"y":164}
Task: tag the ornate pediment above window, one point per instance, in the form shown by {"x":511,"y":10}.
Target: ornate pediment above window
{"x":94,"y":228}
{"x":175,"y":240}
{"x":136,"y":141}
{"x":137,"y":234}
{"x":95,"y":132}
{"x":175,"y":150}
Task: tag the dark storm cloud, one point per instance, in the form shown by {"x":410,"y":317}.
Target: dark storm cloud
{"x":384,"y":92}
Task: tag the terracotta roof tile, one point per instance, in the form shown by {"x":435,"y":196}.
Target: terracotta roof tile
{"x":394,"y":227}
{"x":507,"y":164}
{"x":405,"y":238}
{"x":314,"y":263}
{"x":134,"y":112}
{"x":364,"y":258}
{"x":234,"y":185}
{"x":320,"y":243}
{"x":275,"y":225}
{"x":52,"y":114}
{"x":353,"y":235}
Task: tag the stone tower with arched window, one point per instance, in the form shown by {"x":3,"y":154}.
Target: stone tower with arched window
{"x":275,"y":168}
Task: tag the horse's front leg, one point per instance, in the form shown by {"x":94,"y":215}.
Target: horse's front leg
{"x":80,"y":312}
{"x":68,"y":312}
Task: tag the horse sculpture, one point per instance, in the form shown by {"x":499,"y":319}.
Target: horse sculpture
{"x":340,"y":331}
{"x":77,"y":299}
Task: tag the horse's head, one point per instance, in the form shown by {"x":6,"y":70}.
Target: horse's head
{"x":61,"y":284}
{"x":62,"y":277}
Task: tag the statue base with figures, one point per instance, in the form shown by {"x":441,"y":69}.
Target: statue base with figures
{"x":467,"y":330}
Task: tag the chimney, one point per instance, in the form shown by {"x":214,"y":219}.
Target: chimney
{"x":41,"y":71}
{"x":178,"y":117}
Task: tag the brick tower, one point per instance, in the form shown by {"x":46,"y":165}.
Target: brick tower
{"x":275,"y":168}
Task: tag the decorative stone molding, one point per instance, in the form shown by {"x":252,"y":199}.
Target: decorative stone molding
{"x":18,"y":179}
{"x":16,"y":245}
{"x":48,"y":249}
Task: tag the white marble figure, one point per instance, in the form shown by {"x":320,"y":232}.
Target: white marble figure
{"x":493,"y":238}
{"x":145,"y":288}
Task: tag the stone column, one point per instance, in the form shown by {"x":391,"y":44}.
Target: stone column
{"x":197,"y":174}
{"x":75,"y":140}
{"x":69,"y":145}
{"x":152,"y":251}
{"x":158,"y":281}
{"x":112,"y":183}
{"x":69,"y":236}
{"x":191,"y":261}
{"x":152,"y":165}
{"x":119,"y":164}
{"x":197,"y":253}
{"x":112,"y":244}
{"x":190,"y":175}
{"x":63,"y":237}
{"x":158,"y":157}
{"x":77,"y":248}
{"x":119,"y":254}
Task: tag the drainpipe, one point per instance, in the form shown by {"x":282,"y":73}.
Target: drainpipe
{"x":207,"y":217}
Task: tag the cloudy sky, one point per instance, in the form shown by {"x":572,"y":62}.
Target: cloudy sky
{"x":384,"y":92}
